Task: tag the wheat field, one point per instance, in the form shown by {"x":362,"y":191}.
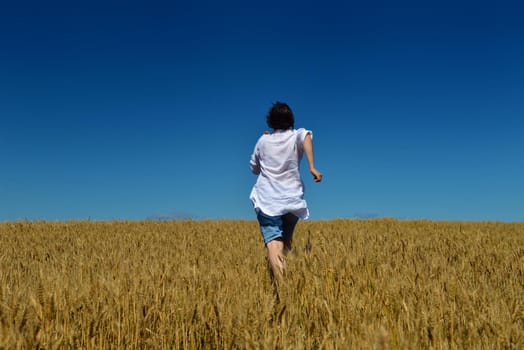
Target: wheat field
{"x":350,"y":284}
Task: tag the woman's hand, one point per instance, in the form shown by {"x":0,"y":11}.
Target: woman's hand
{"x":317,"y":175}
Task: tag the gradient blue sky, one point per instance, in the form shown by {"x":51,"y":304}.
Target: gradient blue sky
{"x":127,"y":110}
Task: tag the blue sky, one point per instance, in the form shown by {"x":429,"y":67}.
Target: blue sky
{"x":130,"y":110}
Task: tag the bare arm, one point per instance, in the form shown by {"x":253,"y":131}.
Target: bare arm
{"x":308,"y":149}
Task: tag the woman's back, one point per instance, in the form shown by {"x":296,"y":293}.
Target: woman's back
{"x":279,"y":187}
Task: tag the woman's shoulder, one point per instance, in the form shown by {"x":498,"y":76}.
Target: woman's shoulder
{"x":302,"y":132}
{"x":262,"y":139}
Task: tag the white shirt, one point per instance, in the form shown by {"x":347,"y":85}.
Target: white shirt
{"x":276,"y":159}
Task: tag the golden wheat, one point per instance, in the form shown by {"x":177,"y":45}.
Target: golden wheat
{"x":204,"y":285}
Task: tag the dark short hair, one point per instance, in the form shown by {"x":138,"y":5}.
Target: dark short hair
{"x":280,"y":117}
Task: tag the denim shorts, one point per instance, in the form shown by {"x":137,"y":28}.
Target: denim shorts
{"x":273,"y":227}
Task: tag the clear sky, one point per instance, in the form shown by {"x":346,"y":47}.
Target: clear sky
{"x":138,"y":109}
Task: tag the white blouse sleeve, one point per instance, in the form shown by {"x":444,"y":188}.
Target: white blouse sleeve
{"x":254,"y":162}
{"x":301,"y":135}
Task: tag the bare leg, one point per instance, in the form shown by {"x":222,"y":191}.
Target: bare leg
{"x":276,"y":259}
